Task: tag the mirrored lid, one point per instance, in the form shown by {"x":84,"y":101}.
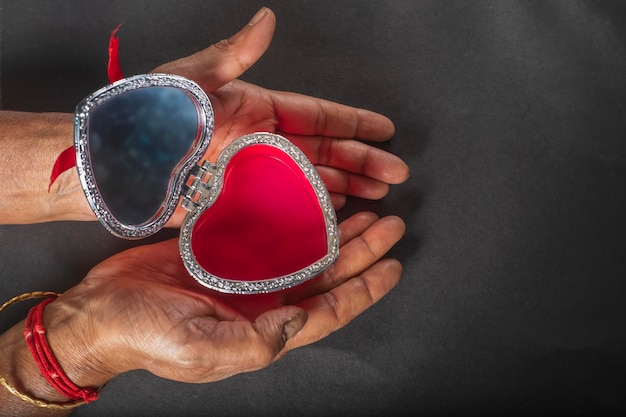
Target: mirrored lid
{"x":136,"y":141}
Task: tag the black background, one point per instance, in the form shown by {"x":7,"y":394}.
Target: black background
{"x":511,"y":117}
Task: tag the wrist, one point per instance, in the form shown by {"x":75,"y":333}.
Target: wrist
{"x":76,"y":344}
{"x":21,"y":372}
{"x":65,"y":199}
{"x":29,"y":146}
{"x":26,"y":370}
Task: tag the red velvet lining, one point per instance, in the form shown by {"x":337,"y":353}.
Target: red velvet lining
{"x":267,"y":221}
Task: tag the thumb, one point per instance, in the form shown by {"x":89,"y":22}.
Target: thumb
{"x":226,"y":60}
{"x":279,"y":325}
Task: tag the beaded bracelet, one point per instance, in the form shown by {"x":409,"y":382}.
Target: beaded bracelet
{"x":34,"y":401}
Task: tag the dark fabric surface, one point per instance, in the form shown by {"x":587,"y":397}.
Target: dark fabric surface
{"x":511,"y":117}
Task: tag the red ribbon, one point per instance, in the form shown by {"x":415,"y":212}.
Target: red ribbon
{"x":113,"y":68}
{"x":65,"y":161}
{"x":67,"y":158}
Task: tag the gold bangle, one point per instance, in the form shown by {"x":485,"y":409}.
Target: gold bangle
{"x":27,"y":296}
{"x":11,"y":388}
{"x":37,"y":402}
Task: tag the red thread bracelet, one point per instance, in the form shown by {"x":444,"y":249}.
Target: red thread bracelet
{"x":35,"y":335}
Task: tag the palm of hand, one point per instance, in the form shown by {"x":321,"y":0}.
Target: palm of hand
{"x":240,"y":108}
{"x":168,"y":322}
{"x":323,"y":130}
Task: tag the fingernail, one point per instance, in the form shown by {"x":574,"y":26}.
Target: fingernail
{"x":293,"y":325}
{"x":258,"y":16}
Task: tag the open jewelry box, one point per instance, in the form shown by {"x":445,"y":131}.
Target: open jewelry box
{"x":259,"y":217}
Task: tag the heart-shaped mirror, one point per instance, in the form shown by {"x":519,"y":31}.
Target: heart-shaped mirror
{"x":260,"y":219}
{"x":136,"y":141}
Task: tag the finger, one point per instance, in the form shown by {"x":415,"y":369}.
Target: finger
{"x":349,"y":229}
{"x":362,"y":251}
{"x":355,"y":225}
{"x":338,"y":200}
{"x":228,"y":59}
{"x":303,"y":115}
{"x":331,"y":311}
{"x":355,"y":256}
{"x":342,"y":182}
{"x":279,"y":325}
{"x":355,"y":157}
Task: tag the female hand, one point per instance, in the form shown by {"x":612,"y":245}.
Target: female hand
{"x":140,"y":310}
{"x":330,"y":135}
{"x":327,"y":132}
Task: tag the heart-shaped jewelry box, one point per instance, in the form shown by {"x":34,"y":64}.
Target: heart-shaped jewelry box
{"x":259,"y":218}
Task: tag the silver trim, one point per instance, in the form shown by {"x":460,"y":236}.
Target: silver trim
{"x":274,"y":284}
{"x":179,"y":176}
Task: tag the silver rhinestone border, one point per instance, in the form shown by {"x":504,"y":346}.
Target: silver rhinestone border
{"x":274,"y":284}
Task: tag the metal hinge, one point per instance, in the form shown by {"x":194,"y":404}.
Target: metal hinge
{"x":198,"y":185}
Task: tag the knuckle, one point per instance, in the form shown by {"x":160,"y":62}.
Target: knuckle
{"x":223,"y":46}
